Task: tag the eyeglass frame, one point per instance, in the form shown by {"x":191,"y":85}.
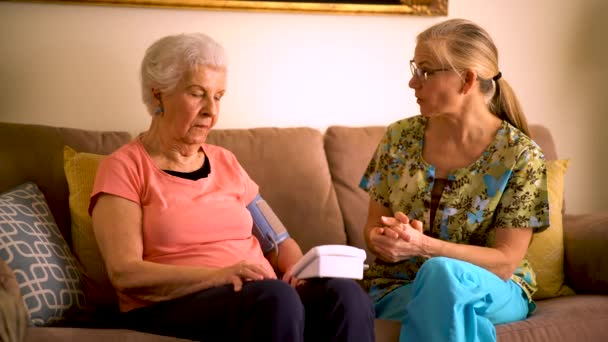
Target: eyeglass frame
{"x":423,"y":74}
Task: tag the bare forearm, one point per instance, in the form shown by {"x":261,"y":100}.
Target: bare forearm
{"x":492,"y":259}
{"x":289,"y":254}
{"x":156,"y":282}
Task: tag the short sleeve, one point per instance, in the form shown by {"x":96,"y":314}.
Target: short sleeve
{"x":393,"y":176}
{"x":374,"y":179}
{"x":251,"y":188}
{"x":117,"y":177}
{"x":525,"y":201}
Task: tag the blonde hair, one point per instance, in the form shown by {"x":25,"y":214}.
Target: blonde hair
{"x":168,"y":60}
{"x":462,"y":44}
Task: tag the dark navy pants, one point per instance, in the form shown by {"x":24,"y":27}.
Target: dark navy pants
{"x":266,"y":310}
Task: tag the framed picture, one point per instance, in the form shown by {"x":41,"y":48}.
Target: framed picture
{"x":396,"y":7}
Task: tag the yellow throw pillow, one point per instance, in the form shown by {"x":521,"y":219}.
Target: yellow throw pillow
{"x":80,"y":170}
{"x":546,"y":252}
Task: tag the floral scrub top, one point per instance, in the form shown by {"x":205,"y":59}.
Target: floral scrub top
{"x":506,"y":187}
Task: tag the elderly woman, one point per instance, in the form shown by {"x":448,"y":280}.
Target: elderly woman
{"x":171,"y":219}
{"x":456,"y":194}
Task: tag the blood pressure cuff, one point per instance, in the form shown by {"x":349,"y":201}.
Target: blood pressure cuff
{"x":267,"y":227}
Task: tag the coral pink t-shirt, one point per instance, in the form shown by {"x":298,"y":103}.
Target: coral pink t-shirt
{"x":185,"y":222}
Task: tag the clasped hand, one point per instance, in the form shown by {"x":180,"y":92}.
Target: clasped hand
{"x":397,"y":239}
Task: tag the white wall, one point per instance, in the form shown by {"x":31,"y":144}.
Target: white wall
{"x":76,"y":66}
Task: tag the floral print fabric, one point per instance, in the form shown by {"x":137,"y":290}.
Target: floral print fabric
{"x":506,"y":187}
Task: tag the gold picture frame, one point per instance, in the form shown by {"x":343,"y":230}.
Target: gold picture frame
{"x":396,"y":7}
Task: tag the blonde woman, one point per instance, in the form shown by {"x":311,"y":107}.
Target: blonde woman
{"x":456,"y":194}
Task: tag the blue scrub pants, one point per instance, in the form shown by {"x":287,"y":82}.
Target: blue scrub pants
{"x":453,"y":300}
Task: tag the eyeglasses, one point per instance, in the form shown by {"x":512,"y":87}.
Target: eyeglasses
{"x":422,"y":74}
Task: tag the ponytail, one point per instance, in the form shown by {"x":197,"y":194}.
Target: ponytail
{"x":506,"y":106}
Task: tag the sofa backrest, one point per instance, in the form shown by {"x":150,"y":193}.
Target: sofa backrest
{"x":35,"y":153}
{"x":349,"y":150}
{"x":310,"y":179}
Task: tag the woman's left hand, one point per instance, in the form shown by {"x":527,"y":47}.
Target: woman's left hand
{"x":290,"y":279}
{"x":401,"y":226}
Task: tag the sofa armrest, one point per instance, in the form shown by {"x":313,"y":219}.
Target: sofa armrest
{"x":586,"y":252}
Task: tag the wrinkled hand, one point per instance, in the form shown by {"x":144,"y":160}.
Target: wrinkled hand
{"x":290,"y":279}
{"x":242,"y":271}
{"x":398,"y":239}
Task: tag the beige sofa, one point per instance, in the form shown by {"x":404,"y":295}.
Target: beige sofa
{"x":310,"y":179}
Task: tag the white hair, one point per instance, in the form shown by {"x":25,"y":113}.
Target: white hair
{"x":168,"y":60}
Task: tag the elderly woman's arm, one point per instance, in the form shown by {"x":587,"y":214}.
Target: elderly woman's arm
{"x":289,"y":253}
{"x":117,"y":223}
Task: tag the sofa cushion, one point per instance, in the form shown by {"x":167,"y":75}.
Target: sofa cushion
{"x":290,"y":166}
{"x":80,"y":169}
{"x":32,"y":245}
{"x":572,"y":318}
{"x":94,"y":335}
{"x":546,"y":252}
{"x":35,"y":153}
{"x":349,"y":150}
{"x":586,"y":258}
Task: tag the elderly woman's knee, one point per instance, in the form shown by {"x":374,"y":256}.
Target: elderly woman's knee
{"x":346,"y":293}
{"x":279,"y":297}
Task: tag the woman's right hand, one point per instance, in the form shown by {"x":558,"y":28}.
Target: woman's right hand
{"x":384,"y":243}
{"x":393,"y":241}
{"x":240,"y":272}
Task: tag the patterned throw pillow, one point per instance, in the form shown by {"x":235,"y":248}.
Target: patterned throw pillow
{"x":546,"y":252}
{"x":32,"y":245}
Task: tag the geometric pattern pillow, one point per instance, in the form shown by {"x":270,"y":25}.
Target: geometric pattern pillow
{"x":33,"y":247}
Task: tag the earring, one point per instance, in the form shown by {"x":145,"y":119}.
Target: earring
{"x":159,"y":110}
